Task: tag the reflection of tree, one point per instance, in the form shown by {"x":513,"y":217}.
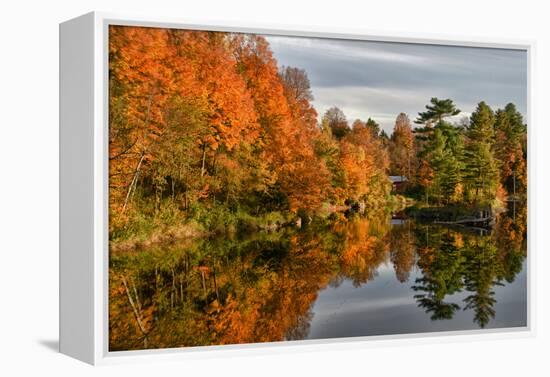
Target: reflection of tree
{"x":510,"y":234}
{"x":453,"y":260}
{"x":362,"y":252}
{"x":492,"y":260}
{"x":442,"y":274}
{"x":482,"y":304}
{"x":432,"y":302}
{"x":262,"y":288}
{"x":479,"y":277}
{"x":402,"y":251}
{"x":238,"y":290}
{"x":220,"y":291}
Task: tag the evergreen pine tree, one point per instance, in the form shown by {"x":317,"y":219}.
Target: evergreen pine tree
{"x":481,"y":174}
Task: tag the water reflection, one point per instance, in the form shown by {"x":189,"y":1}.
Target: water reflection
{"x":353,"y":278}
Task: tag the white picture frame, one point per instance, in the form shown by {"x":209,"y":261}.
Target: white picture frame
{"x":84,"y":189}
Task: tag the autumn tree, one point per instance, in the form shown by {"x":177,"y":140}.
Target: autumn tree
{"x":140,"y":85}
{"x":231,"y":115}
{"x":297,"y":84}
{"x":327,"y":148}
{"x":510,"y":148}
{"x":357,"y":168}
{"x":357,"y":124}
{"x":374,"y":165}
{"x":176,"y":154}
{"x":402,"y":147}
{"x":288,"y":121}
{"x":308,"y":180}
{"x":425,"y":178}
{"x":337,"y":122}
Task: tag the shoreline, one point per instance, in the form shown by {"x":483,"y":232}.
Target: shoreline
{"x":192,"y":230}
{"x":185,"y":231}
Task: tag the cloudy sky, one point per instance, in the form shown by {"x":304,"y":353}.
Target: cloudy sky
{"x":380,"y":79}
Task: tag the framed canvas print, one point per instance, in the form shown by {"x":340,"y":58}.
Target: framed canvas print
{"x":232,"y":187}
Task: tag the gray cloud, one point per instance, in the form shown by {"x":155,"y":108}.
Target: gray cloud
{"x":382,"y":79}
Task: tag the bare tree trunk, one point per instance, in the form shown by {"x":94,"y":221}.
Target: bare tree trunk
{"x":137,"y":313}
{"x":138,"y":301}
{"x":158,"y":198}
{"x":186,"y":276}
{"x":133,"y":184}
{"x":514,"y":182}
{"x":409,"y":167}
{"x":185,"y":200}
{"x":156,"y":278}
{"x":173,"y":189}
{"x":181,"y":288}
{"x":215,"y":283}
{"x":174,"y":291}
{"x":203,"y":160}
{"x":203,"y":283}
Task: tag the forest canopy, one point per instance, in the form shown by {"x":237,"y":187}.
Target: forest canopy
{"x":206,"y":127}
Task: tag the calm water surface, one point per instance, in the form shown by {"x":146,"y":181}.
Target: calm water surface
{"x":386,"y":306}
{"x":354,"y":278}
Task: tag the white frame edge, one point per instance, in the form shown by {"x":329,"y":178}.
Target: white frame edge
{"x":84,"y":213}
{"x":76,"y":197}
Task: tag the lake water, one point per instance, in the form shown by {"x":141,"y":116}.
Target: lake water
{"x":386,"y":306}
{"x":353,"y":278}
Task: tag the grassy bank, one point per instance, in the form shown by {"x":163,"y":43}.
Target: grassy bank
{"x":168,"y":224}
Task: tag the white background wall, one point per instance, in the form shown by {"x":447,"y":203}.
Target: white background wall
{"x":29,"y":184}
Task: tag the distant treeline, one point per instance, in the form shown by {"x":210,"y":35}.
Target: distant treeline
{"x":478,"y":161}
{"x":203,"y":122}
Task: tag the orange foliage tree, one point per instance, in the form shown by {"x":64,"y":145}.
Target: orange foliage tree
{"x":209,"y":117}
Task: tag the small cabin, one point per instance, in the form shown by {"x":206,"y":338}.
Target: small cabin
{"x":398,"y":181}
